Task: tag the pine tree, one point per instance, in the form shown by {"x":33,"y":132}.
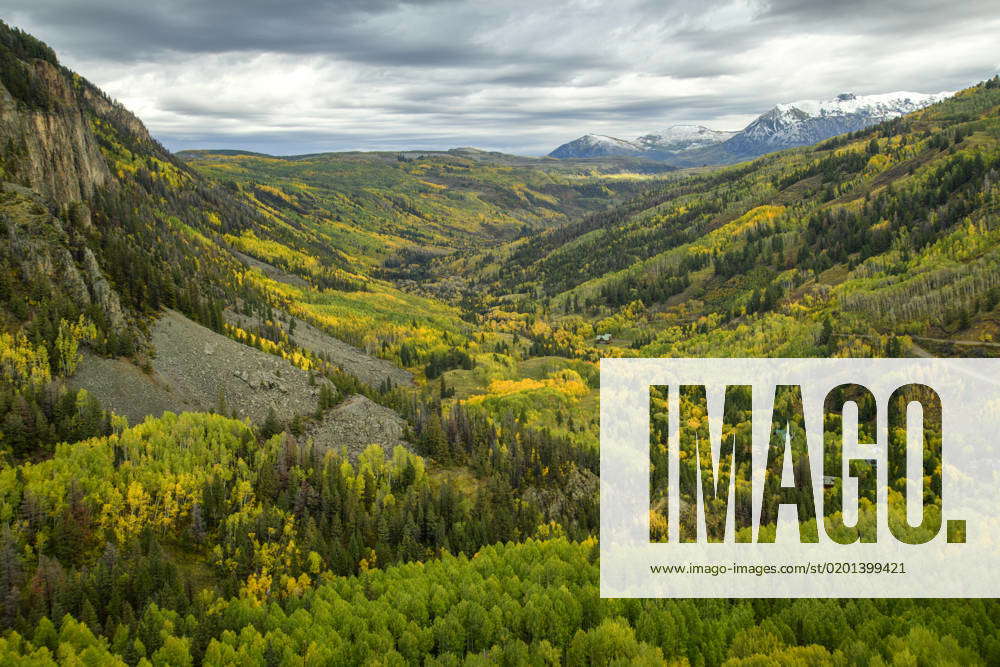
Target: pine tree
{"x":272,"y":425}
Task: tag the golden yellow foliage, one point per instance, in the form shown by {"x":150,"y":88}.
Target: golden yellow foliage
{"x":21,"y":363}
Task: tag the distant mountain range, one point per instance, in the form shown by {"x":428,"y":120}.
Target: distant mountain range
{"x":674,"y":139}
{"x":799,"y":123}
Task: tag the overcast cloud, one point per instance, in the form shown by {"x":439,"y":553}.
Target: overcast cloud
{"x":301,"y":76}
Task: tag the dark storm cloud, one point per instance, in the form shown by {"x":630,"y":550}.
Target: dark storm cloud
{"x":515,"y":75}
{"x":128,"y":29}
{"x":908,"y":14}
{"x":352,"y":30}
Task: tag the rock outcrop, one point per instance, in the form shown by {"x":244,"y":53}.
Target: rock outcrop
{"x":356,"y":424}
{"x":103,"y":293}
{"x":40,"y":246}
{"x":51,"y":150}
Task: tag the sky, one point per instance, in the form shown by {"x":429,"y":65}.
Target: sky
{"x":522,"y":76}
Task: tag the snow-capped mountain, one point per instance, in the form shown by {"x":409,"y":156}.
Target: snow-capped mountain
{"x":677,"y":138}
{"x":596,"y":145}
{"x":674,"y":139}
{"x":808,"y":121}
{"x":786,"y":125}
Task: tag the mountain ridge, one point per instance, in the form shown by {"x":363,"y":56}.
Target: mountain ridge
{"x":786,"y":125}
{"x":655,"y":145}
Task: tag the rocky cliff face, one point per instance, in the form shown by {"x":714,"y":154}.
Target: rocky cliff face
{"x":49,"y":255}
{"x":51,"y":150}
{"x":51,"y":166}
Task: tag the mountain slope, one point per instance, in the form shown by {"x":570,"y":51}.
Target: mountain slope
{"x":885,"y":231}
{"x":104,"y":229}
{"x":810,"y":121}
{"x":371,"y":207}
{"x":681,"y":138}
{"x":131,"y":288}
{"x":597,"y":145}
{"x":486,"y":610}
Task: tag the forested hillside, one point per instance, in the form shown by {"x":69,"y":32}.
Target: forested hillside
{"x":454,"y":297}
{"x":834,"y":249}
{"x":404,"y":207}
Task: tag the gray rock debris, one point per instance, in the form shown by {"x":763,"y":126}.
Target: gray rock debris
{"x":370,"y":370}
{"x":194,"y":367}
{"x":357,"y":423}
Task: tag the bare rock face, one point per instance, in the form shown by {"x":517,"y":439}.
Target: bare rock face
{"x":104,"y":294}
{"x":358,"y":423}
{"x":206,"y":368}
{"x":38,"y":243}
{"x":52,"y":151}
{"x":581,"y":486}
{"x":50,"y":162}
{"x":74,"y":284}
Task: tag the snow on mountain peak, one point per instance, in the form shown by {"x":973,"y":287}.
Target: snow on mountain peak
{"x":678,"y":138}
{"x":885,"y":105}
{"x":786,"y":125}
{"x":596,"y":145}
{"x":808,"y":121}
{"x":684,"y":132}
